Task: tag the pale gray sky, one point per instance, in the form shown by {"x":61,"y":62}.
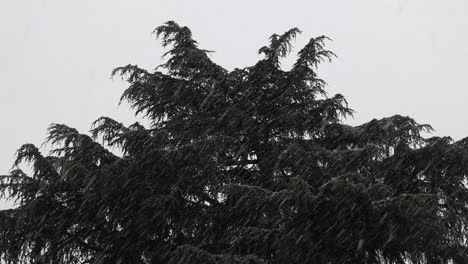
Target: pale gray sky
{"x":395,"y":56}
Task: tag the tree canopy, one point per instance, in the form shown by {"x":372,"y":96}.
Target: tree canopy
{"x":248,"y":166}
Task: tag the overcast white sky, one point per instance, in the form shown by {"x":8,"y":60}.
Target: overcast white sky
{"x":395,"y":56}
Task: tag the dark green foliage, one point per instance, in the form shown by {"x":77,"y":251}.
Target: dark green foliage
{"x":251,"y":166}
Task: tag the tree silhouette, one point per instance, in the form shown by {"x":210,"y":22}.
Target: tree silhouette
{"x":253,"y":165}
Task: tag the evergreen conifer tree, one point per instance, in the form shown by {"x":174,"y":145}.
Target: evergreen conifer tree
{"x":248,"y":166}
